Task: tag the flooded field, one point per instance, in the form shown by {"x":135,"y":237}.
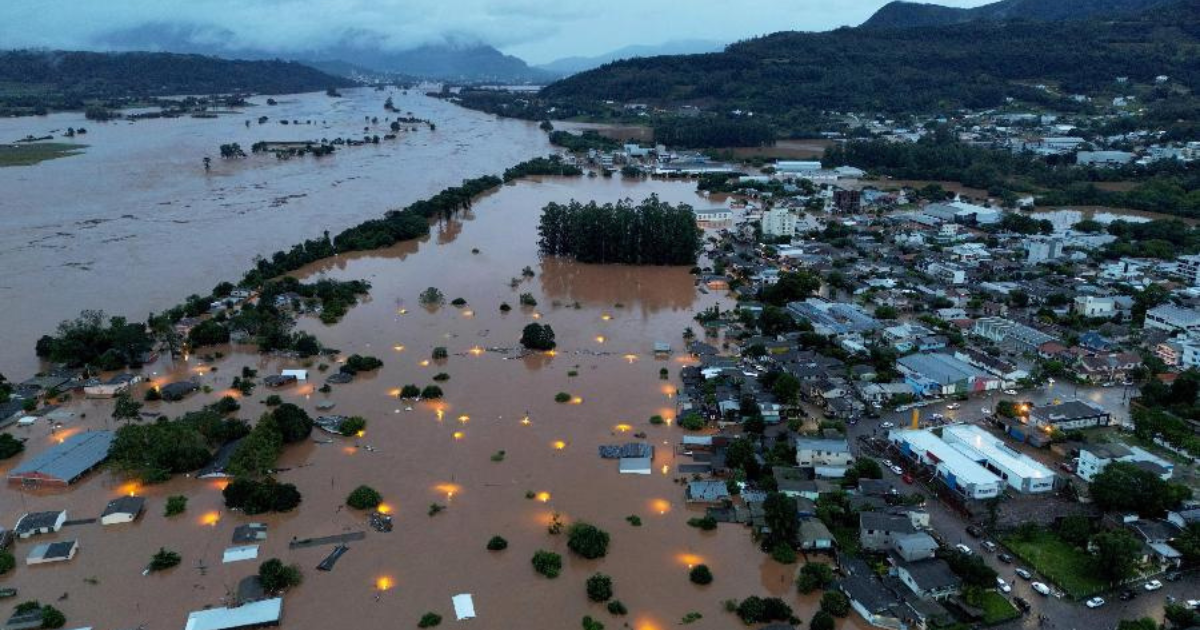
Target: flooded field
{"x":606,"y":319}
{"x":134,"y":223}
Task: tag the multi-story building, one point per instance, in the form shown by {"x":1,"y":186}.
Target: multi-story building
{"x":1011,"y":334}
{"x":1093,"y":306}
{"x":1173,"y":318}
{"x":1189,"y":268}
{"x":1040,"y":250}
{"x":779,"y":222}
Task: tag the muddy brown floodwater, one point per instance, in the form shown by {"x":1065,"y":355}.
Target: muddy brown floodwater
{"x":606,"y":319}
{"x":134,"y":224}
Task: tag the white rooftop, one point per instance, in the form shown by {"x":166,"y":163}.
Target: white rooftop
{"x":991,"y":448}
{"x":263,"y":612}
{"x":962,"y":467}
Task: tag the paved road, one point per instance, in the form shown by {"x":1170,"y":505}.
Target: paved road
{"x":1062,"y":614}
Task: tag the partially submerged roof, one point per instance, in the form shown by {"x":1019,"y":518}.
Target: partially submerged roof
{"x":67,"y":461}
{"x":263,"y":612}
{"x":464,"y":606}
{"x":125,"y":505}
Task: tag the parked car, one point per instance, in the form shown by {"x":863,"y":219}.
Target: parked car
{"x":1005,"y":558}
{"x":1067,"y":467}
{"x":1010,"y":392}
{"x":1194,"y":604}
{"x":1024,"y":573}
{"x":1152,"y":585}
{"x":963,"y":549}
{"x":1094,"y":602}
{"x":1174,"y":576}
{"x":1022,"y":604}
{"x":953,"y":406}
{"x":1002,"y":585}
{"x":988,"y":545}
{"x":887,"y":463}
{"x":1127,"y":595}
{"x":985,"y":411}
{"x":1040,"y":588}
{"x":888,"y":425}
{"x":898,"y":470}
{"x":906,"y":478}
{"x":974,"y":530}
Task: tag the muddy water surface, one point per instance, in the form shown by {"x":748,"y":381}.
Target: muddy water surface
{"x":606,"y":319}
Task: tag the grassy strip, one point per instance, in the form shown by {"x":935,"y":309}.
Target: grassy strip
{"x":29,"y":154}
{"x":1072,"y":570}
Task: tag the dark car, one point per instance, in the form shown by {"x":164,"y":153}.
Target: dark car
{"x":1005,"y":558}
{"x":974,"y":530}
{"x":1174,"y":576}
{"x":1022,"y":604}
{"x":1127,"y":595}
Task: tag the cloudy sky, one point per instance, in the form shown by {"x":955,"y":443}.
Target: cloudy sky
{"x":536,"y":30}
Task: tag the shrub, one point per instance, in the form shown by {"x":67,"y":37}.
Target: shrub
{"x":615,"y":607}
{"x":755,"y":609}
{"x":821,"y":621}
{"x":504,"y":307}
{"x":587,"y":540}
{"x":431,"y":392}
{"x":410,"y":391}
{"x":706,"y":523}
{"x":352,"y":426}
{"x":527,"y":299}
{"x":435,"y":509}
{"x":538,"y":337}
{"x":634,"y":520}
{"x":432,"y":296}
{"x":656,"y":420}
{"x":459,"y":301}
{"x":547,"y":563}
{"x":692,"y":421}
{"x":497,"y":543}
{"x":813,"y":576}
{"x":439,"y":353}
{"x":591,"y":624}
{"x":276,"y":577}
{"x":441,"y":377}
{"x":562,"y":397}
{"x":783,"y":553}
{"x":364,"y":498}
{"x":10,"y":446}
{"x":52,"y":617}
{"x":176,"y":505}
{"x":835,"y":603}
{"x":599,"y":588}
{"x":164,"y":559}
{"x":429,"y":620}
{"x":700,"y":574}
{"x":7,"y":562}
{"x":273,"y":400}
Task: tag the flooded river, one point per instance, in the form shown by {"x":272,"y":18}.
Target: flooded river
{"x":134,"y":223}
{"x":606,"y":319}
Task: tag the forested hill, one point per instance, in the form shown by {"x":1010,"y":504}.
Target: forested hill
{"x":976,"y":64}
{"x":902,"y":14}
{"x":100,"y":75}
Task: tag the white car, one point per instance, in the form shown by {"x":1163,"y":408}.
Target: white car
{"x":964,"y":549}
{"x":1023,"y":573}
{"x":1152,"y":585}
{"x":887,"y":425}
{"x":887,"y":463}
{"x":985,"y":411}
{"x":1194,"y":604}
{"x":898,"y":470}
{"x":953,"y":406}
{"x":1003,"y":586}
{"x":1010,"y":392}
{"x":1094,"y":602}
{"x":1041,"y":588}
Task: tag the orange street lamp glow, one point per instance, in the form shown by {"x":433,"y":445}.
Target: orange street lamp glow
{"x":606,"y":317}
{"x":662,"y":506}
{"x":383,"y":583}
{"x":600,"y":339}
{"x":476,"y":351}
{"x":631,"y":358}
{"x":689,"y":559}
{"x":424,"y":363}
{"x":398,"y":348}
{"x":440,"y":413}
{"x":623,"y":428}
{"x":464,"y":418}
{"x":526,"y":421}
{"x":458,"y":435}
{"x":360,"y":433}
{"x":551,"y":353}
{"x":544,"y":497}
{"x":384,"y":508}
{"x":211,"y":518}
{"x":130,"y":488}
{"x":577,"y":400}
{"x":559,"y":445}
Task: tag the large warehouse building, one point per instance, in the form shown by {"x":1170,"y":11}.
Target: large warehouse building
{"x":1021,"y":472}
{"x":65,"y":462}
{"x":960,"y":473}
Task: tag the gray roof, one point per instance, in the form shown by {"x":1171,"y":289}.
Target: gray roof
{"x":1067,"y":411}
{"x":125,"y":505}
{"x":67,"y":461}
{"x":707,"y":490}
{"x":868,"y":592}
{"x":885,"y":522}
{"x":60,"y":549}
{"x":36,"y":520}
{"x":931,"y":575}
{"x":839,"y":445}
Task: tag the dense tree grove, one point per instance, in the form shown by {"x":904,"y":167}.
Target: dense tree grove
{"x":154,"y":452}
{"x":257,"y":497}
{"x":538,"y":337}
{"x":579,"y":143}
{"x":975,"y":65}
{"x":552,"y":165}
{"x":713,"y":132}
{"x":88,"y":340}
{"x":1123,"y":487}
{"x":653,"y":232}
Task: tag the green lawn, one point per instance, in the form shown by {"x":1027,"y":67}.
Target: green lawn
{"x":1071,"y":569}
{"x":32,"y":153}
{"x":997,"y":608}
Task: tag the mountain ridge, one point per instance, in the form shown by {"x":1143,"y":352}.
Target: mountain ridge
{"x":906,"y":14}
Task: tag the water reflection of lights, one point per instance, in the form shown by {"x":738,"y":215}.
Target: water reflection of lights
{"x":448,"y":489}
{"x":130,"y":488}
{"x":631,"y":357}
{"x":662,"y":506}
{"x":606,"y":317}
{"x":476,"y":351}
{"x":622,"y":428}
{"x":210,"y":518}
{"x":537,"y":315}
{"x":666,"y":469}
{"x":577,"y":400}
{"x":526,"y":421}
{"x":424,"y":363}
{"x":600,"y":339}
{"x":464,"y":418}
{"x":551,"y":353}
{"x":440,"y":413}
{"x":384,"y":508}
{"x":398,"y":348}
{"x":689,"y":559}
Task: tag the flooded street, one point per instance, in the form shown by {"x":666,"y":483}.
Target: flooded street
{"x":606,"y":319}
{"x":134,"y":224}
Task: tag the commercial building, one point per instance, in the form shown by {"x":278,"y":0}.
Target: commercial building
{"x":779,"y":222}
{"x":959,"y":472}
{"x":938,"y":374}
{"x":1094,"y":458}
{"x":1068,"y":416}
{"x":1010,"y":334}
{"x":834,"y":318}
{"x":1173,"y":318}
{"x":1021,"y":472}
{"x":1189,"y":268}
{"x":66,"y":462}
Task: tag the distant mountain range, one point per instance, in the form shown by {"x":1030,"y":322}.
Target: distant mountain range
{"x":354,"y":54}
{"x":900,"y":14}
{"x":976,"y":64}
{"x":99,"y":75}
{"x":572,"y":65}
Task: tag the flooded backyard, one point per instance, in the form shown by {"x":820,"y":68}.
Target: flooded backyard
{"x":606,"y":318}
